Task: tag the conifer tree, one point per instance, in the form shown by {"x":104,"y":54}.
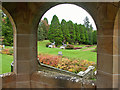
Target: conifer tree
{"x":40,"y":33}
{"x":55,"y":32}
{"x":90,"y":35}
{"x":65,"y":31}
{"x":45,"y":19}
{"x":77,"y":31}
{"x":71,"y":32}
{"x":94,"y":34}
{"x":82,"y":35}
{"x":86,"y":22}
{"x":89,"y":29}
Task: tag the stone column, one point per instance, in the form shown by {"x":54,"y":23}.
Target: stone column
{"x":107,"y":47}
{"x":26,"y":45}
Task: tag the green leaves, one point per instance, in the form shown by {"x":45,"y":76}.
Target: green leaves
{"x":7,"y":31}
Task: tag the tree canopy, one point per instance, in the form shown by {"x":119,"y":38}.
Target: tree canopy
{"x":68,"y":32}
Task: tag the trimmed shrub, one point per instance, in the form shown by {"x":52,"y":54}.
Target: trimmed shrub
{"x":69,"y":46}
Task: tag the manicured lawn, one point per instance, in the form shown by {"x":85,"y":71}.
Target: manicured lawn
{"x":6,"y":60}
{"x":73,"y":54}
{"x":5,"y":63}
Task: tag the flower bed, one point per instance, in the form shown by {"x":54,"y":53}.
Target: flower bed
{"x":49,"y":59}
{"x":7,"y":51}
{"x":77,"y":48}
{"x":65,"y":63}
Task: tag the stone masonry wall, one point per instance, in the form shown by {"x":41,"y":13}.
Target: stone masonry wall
{"x":41,"y":79}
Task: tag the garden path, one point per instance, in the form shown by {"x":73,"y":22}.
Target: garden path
{"x":88,"y":49}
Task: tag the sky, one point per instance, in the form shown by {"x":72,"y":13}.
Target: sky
{"x":69,"y":12}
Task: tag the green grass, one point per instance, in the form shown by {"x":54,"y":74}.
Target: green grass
{"x":73,"y":54}
{"x":5,"y":63}
{"x":6,"y":60}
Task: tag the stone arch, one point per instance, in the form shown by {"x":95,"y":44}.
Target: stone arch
{"x":14,"y":33}
{"x":26,"y":21}
{"x":104,"y":15}
{"x":89,"y":11}
{"x":116,"y":50}
{"x":50,"y":5}
{"x":39,"y":12}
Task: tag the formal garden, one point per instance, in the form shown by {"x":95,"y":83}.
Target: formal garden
{"x":73,"y":60}
{"x":66,"y":46}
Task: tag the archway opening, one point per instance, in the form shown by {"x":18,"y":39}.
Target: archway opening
{"x":65,"y":42}
{"x":6,"y":42}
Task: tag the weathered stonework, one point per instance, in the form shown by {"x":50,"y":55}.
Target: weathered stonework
{"x":25,"y":17}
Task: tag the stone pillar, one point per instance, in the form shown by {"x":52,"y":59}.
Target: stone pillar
{"x":119,"y":47}
{"x":26,"y":45}
{"x":116,"y":52}
{"x":107,"y":47}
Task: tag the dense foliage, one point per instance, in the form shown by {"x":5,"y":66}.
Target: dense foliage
{"x":43,"y":30}
{"x":7,"y":31}
{"x":55,"y":32}
{"x":68,"y":32}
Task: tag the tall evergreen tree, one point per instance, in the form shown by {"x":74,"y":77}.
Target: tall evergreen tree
{"x":78,"y":33}
{"x":65,"y":30}
{"x":86,"y":22}
{"x":89,"y":30}
{"x":90,"y":35}
{"x":71,"y":28}
{"x":55,"y":32}
{"x":82,"y":35}
{"x":41,"y":32}
{"x":94,"y":37}
{"x":86,"y":37}
{"x":46,"y":20}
